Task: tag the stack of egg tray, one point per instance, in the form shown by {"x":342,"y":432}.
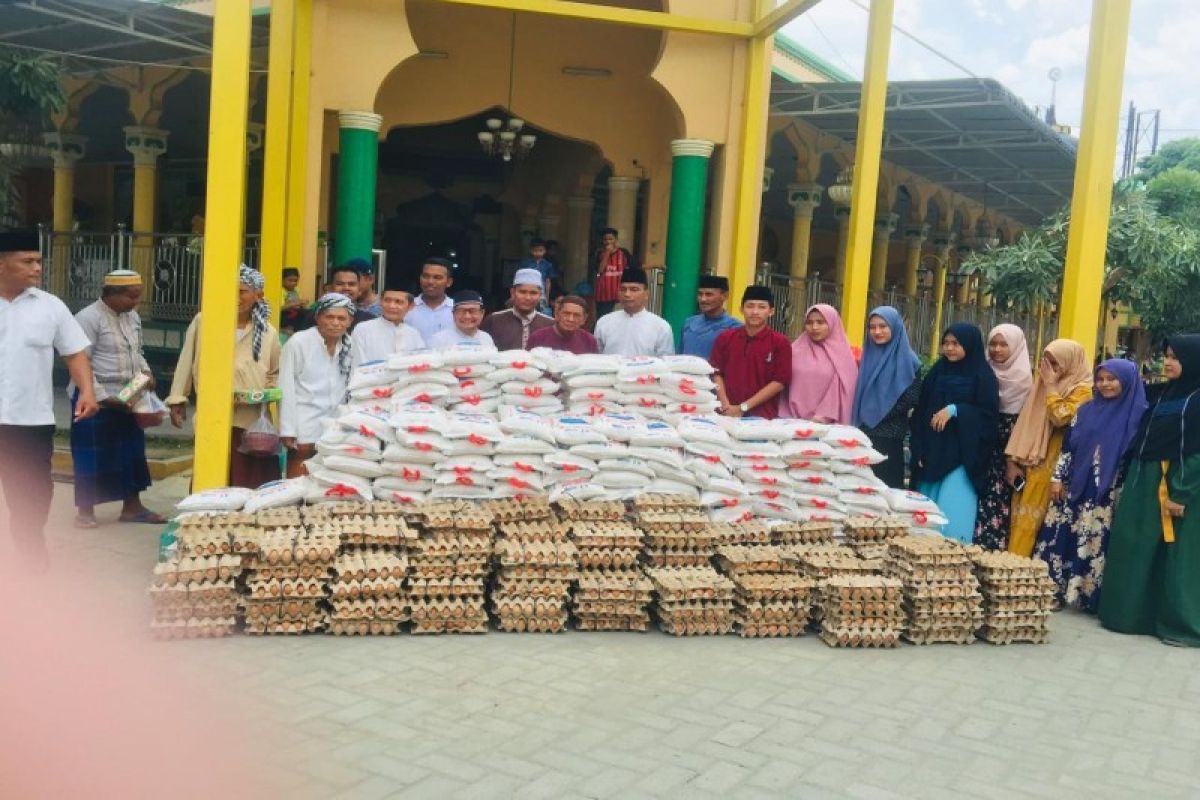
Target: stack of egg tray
{"x":367,"y":595}
{"x":612,"y":600}
{"x":536,"y":566}
{"x":450,"y":564}
{"x":750,"y":532}
{"x":1018,"y":596}
{"x":605,"y":546}
{"x":692,"y":601}
{"x":862,"y":611}
{"x":677,"y":531}
{"x":770,"y":597}
{"x":195,"y":596}
{"x":287,"y":582}
{"x":822,"y":561}
{"x":803,"y":533}
{"x":869,"y":536}
{"x":941,"y":595}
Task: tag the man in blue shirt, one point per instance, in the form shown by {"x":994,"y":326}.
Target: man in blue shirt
{"x":701,"y":330}
{"x":537,"y":260}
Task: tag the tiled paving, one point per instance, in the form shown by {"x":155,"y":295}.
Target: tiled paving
{"x":1091,"y":714}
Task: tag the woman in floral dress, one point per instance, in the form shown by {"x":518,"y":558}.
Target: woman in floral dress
{"x":1008,"y":356}
{"x":1074,"y":538}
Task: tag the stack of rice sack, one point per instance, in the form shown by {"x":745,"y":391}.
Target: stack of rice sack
{"x":466,"y":470}
{"x":653,"y":450}
{"x":612,"y":593}
{"x":941,"y":594}
{"x":521,"y":462}
{"x":676,"y":530}
{"x":692,"y":601}
{"x":349,"y":456}
{"x":665,"y":388}
{"x":1018,"y":595}
{"x":524,"y":383}
{"x":410,"y":459}
{"x":367,"y":595}
{"x":194,"y":594}
{"x":422,"y":378}
{"x":922,"y":514}
{"x":449,"y":567}
{"x":589,"y":384}
{"x":536,"y":565}
{"x":709,"y":455}
{"x":289,"y":582}
{"x":473,"y":390}
{"x":371,"y":388}
{"x":770,"y":597}
{"x":861,"y":611}
{"x":570,"y":473}
{"x":868,"y":535}
{"x":860,"y":492}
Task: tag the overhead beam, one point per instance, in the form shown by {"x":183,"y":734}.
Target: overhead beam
{"x":637,"y":18}
{"x":129,"y":30}
{"x":773,"y":21}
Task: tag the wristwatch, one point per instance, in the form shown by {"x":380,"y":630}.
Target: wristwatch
{"x":744,"y":407}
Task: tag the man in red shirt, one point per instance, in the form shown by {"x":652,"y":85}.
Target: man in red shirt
{"x":753,"y":362}
{"x":567,"y":333}
{"x":611,"y":261}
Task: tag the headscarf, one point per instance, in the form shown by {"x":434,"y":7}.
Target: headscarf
{"x":1015,"y":374}
{"x":970,"y":385}
{"x":1107,"y":424}
{"x":825,"y":373}
{"x":1175,"y":406}
{"x":260,"y":314}
{"x":886,"y":373}
{"x":329,"y":302}
{"x":1030,"y":438}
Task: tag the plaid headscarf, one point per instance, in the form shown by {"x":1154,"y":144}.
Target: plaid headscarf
{"x":260,"y":315}
{"x":328,"y":302}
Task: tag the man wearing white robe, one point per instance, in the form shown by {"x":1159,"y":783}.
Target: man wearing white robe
{"x":632,"y":330}
{"x":379,"y":338}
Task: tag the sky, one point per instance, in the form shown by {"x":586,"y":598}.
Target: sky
{"x":1017,"y":42}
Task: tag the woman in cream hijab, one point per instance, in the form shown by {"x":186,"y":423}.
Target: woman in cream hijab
{"x":1063,"y":384}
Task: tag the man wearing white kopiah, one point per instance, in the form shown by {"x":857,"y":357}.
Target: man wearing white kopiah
{"x":376,"y":339}
{"x":468,"y":314}
{"x":510,"y":329}
{"x":632,"y":330}
{"x":313,"y":374}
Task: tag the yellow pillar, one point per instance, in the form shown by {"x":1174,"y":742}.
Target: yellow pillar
{"x":963,"y":295}
{"x":841,"y":215}
{"x":274,"y":220}
{"x":145,"y":145}
{"x":294,"y":244}
{"x":1091,"y":200}
{"x":867,"y":151}
{"x":804,"y":199}
{"x":942,"y":242}
{"x":577,"y":257}
{"x":622,"y":208}
{"x":65,"y":149}
{"x":914,"y":237}
{"x":751,"y":157}
{"x":223,"y":240}
{"x":885,"y":225}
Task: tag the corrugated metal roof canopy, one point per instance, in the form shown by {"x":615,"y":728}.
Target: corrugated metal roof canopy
{"x":972,"y":136}
{"x":121,"y":30}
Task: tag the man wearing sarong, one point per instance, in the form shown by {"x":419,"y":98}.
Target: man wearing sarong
{"x":108,"y":450}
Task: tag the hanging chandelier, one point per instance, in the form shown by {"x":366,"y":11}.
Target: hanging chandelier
{"x":503,"y":137}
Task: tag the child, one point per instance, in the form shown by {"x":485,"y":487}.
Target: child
{"x":293,"y":316}
{"x":537,"y":260}
{"x":291,"y":279}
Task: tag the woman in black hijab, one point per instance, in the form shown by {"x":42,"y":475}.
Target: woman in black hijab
{"x":954,"y":428}
{"x":1153,"y":559}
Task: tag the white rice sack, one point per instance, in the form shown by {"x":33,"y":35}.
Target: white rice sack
{"x":391,"y":483}
{"x":873,"y":502}
{"x":784,"y":511}
{"x":535,"y":388}
{"x":904,"y":500}
{"x":704,"y":430}
{"x":422,"y":392}
{"x":764,"y":477}
{"x":546,"y":402}
{"x":468,"y":463}
{"x":411,"y":475}
{"x":571,"y":463}
{"x":355,"y":466}
{"x":803,"y":429}
{"x":862,"y":484}
{"x":850,"y":468}
{"x":574,"y":430}
{"x":471,"y":446}
{"x":620,"y":480}
{"x":521,"y":463}
{"x":771,"y":495}
{"x":706,"y":468}
{"x":712,"y":454}
{"x":459,"y":492}
{"x":732,"y":516}
{"x":402,"y":496}
{"x":734,"y":488}
{"x":462,"y":479}
{"x":645,"y":402}
{"x":687,"y":389}
{"x":688,"y":365}
{"x":414,"y":363}
{"x":925,"y":519}
{"x":288,"y":492}
{"x":418,"y":418}
{"x":859,"y":456}
{"x":719,"y":500}
{"x":815,"y":502}
{"x":807,"y":464}
{"x":473,"y":426}
{"x":467,"y":356}
{"x":643,"y":383}
{"x":756,"y":451}
{"x":374,"y":451}
{"x":522,"y":374}
{"x":680,"y":476}
{"x":658,"y":457}
{"x":517,"y":422}
{"x":474,"y":387}
{"x":369,"y":425}
{"x":372,"y":406}
{"x":809,"y":482}
{"x":577,"y":490}
{"x":524,"y":445}
{"x":756,"y":429}
{"x":515,"y":479}
{"x":590,"y":380}
{"x":378,"y":394}
{"x":619,"y":427}
{"x":598,"y":452}
{"x":806,"y":448}
{"x":626,"y":465}
{"x":398,"y":454}
{"x":594,"y":409}
{"x":438,"y":375}
{"x":476,"y":405}
{"x":332,"y":485}
{"x":231,"y":498}
{"x":517,"y":359}
{"x":667,"y":486}
{"x":374,"y":373}
{"x":698,"y":407}
{"x":632,"y":367}
{"x":759,"y":463}
{"x":845,"y":437}
{"x":594,"y":394}
{"x":425,"y":442}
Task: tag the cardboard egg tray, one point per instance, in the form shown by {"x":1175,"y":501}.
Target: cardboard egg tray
{"x":859,"y":637}
{"x":450,"y":564}
{"x":643,"y":503}
{"x":188,"y":569}
{"x":448,"y":615}
{"x":193,"y":628}
{"x":367,"y":587}
{"x":386,"y":509}
{"x":752,"y":532}
{"x":445,"y":587}
{"x":696,"y":627}
{"x":693,"y":601}
{"x":799,"y":533}
{"x":870,"y":551}
{"x":385,"y":609}
{"x":541,"y":530}
{"x":294,"y":627}
{"x":508,"y":587}
{"x":337,"y":508}
{"x":1026,"y":634}
{"x":605,"y":535}
{"x":828,"y":564}
{"x":465,"y":625}
{"x":363,"y":531}
{"x":735,"y":560}
{"x":691,"y":583}
{"x":608,"y":558}
{"x":874,"y":529}
{"x":551,"y":623}
{"x":614,"y":600}
{"x":211,"y":609}
{"x":637,"y":623}
{"x":513,"y":509}
{"x":673,"y":521}
{"x":363,"y":627}
{"x":768,"y":604}
{"x":283,"y":517}
{"x":370,"y":564}
{"x":214,"y":519}
{"x":590,"y":510}
{"x":861,"y":611}
{"x":205,"y":541}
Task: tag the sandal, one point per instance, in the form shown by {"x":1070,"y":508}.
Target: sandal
{"x":85,"y":523}
{"x":145,"y":516}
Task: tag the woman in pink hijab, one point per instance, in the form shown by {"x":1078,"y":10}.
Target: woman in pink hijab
{"x":823,"y":370}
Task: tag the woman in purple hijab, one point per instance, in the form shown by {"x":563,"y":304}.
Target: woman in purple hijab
{"x":1074,"y":536}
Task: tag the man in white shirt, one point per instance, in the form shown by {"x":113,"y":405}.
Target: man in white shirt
{"x":379,"y":338}
{"x":314,"y":371}
{"x":631,"y":330}
{"x":468,"y":314}
{"x":108,"y":451}
{"x":432,"y":311}
{"x":33,"y":326}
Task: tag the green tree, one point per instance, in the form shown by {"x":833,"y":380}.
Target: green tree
{"x":29,"y":92}
{"x":1178,"y":153}
{"x":1176,"y":194}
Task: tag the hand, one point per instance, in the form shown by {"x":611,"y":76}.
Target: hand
{"x":1046,"y":372}
{"x":1057,"y":492}
{"x":1012,"y":471}
{"x":288,"y":441}
{"x":178,"y":414}
{"x":731,"y":410}
{"x":153,"y":383}
{"x":85,"y":406}
{"x":940,"y":420}
{"x":1174,"y":509}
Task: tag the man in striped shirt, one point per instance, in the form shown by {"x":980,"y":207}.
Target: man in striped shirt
{"x":611,"y":261}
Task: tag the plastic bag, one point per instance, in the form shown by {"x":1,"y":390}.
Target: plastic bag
{"x":149,"y":411}
{"x":260,"y":439}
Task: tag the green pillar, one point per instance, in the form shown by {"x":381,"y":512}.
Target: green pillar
{"x":685,"y":229}
{"x":358,"y":161}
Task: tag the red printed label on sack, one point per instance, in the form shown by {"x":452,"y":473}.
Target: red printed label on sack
{"x":820,"y":503}
{"x":402,"y":498}
{"x":533,"y":391}
{"x":810,"y":452}
{"x":354,"y":450}
{"x":417,"y":429}
{"x":647,"y":402}
{"x":760,"y":467}
{"x":595,"y":411}
{"x":687,"y":408}
{"x":477,"y":440}
{"x":713,"y":459}
{"x":643,"y":380}
{"x":851,"y":443}
{"x":420,"y":367}
{"x":920,"y":517}
{"x":804,"y":433}
{"x":866,"y":490}
{"x":423,"y":397}
{"x":517,"y":483}
{"x":465,"y":480}
{"x":595,"y":395}
{"x":519,"y":364}
{"x":815,"y":479}
{"x":749,"y":515}
{"x":768,"y":481}
{"x":862,"y":462}
{"x":424,"y":447}
{"x":686,"y":387}
{"x":365,"y":431}
{"x":570,"y":468}
{"x":383,"y":391}
{"x":463,"y":470}
{"x":410,"y":474}
{"x":466,"y":384}
{"x":341,"y":490}
{"x":517,"y":465}
{"x":473,"y":399}
{"x":799,"y":464}
{"x":771,"y":494}
{"x":729,"y":502}
{"x":461,"y":372}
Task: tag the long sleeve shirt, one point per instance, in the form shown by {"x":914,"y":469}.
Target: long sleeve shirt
{"x":116,"y":347}
{"x":430,"y":321}
{"x":640,"y":334}
{"x":312,"y":383}
{"x":248,"y":375}
{"x":377,"y":339}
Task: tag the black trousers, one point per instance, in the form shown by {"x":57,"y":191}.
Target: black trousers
{"x":25,"y":452}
